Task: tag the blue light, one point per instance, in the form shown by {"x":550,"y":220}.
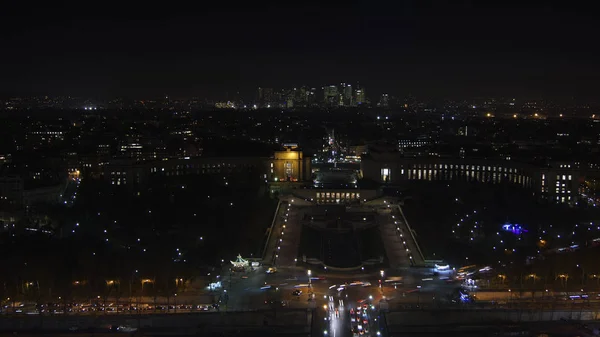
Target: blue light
{"x":514,"y":228}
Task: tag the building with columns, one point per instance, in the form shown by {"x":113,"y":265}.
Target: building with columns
{"x":289,"y":165}
{"x":557,"y":182}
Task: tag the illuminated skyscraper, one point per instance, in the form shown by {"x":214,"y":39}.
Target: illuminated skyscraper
{"x":302,"y":96}
{"x":347,"y":95}
{"x":331,"y":95}
{"x":359,"y":96}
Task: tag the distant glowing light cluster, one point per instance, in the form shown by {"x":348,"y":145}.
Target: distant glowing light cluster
{"x":475,"y":228}
{"x":514,"y":228}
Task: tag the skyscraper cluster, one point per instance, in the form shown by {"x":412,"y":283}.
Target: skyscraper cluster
{"x":342,"y":95}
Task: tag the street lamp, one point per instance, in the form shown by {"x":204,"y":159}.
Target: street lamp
{"x":533,"y":276}
{"x":582,"y":275}
{"x":502,"y":277}
{"x":565,"y":278}
{"x":308,"y":272}
{"x":144,"y":281}
{"x":382,"y":273}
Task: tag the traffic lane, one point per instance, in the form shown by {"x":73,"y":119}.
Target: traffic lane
{"x":362,"y":319}
{"x":326,"y":303}
{"x":333,"y":318}
{"x":339,"y":322}
{"x":371,"y":284}
{"x":287,"y":282}
{"x":244,"y":292}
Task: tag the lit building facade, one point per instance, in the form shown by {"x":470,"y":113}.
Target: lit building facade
{"x":331,"y":95}
{"x":359,"y":97}
{"x":348,"y":101}
{"x":12,"y":189}
{"x":131,"y":173}
{"x":406,"y":143}
{"x":289,"y":165}
{"x":558,"y":183}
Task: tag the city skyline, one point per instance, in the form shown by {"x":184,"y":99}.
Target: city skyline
{"x":440,"y":51}
{"x":354,"y":169}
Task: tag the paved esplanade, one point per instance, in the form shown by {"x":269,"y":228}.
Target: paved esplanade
{"x":332,"y":313}
{"x":399,"y":238}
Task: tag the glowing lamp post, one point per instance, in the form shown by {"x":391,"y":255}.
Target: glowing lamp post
{"x":308,"y":272}
{"x":502,"y":277}
{"x":533,"y":276}
{"x":564,"y":278}
{"x":144,"y":281}
{"x":582,"y":275}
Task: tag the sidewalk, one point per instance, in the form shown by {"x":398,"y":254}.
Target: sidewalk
{"x":270,"y":252}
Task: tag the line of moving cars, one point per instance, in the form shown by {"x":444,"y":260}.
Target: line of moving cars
{"x":360,"y":322}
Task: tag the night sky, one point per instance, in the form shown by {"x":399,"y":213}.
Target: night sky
{"x":461,"y":49}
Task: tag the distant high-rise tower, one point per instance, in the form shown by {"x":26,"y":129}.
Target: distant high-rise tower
{"x":311,"y":96}
{"x":265,"y":96}
{"x":259,"y":95}
{"x":331,"y":95}
{"x":359,"y":96}
{"x":290,"y":98}
{"x":301,"y":96}
{"x":384,"y":101}
{"x":347,"y":95}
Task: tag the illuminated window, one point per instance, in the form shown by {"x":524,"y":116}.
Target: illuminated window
{"x":385,"y":174}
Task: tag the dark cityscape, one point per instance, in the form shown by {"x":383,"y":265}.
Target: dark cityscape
{"x":353,"y":169}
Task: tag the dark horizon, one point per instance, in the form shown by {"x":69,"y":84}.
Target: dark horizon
{"x":470,"y":50}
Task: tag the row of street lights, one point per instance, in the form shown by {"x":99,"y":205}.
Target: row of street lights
{"x":280,"y":238}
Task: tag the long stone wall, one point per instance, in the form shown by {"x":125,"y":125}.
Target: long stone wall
{"x":291,"y":318}
{"x":442,"y":317}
